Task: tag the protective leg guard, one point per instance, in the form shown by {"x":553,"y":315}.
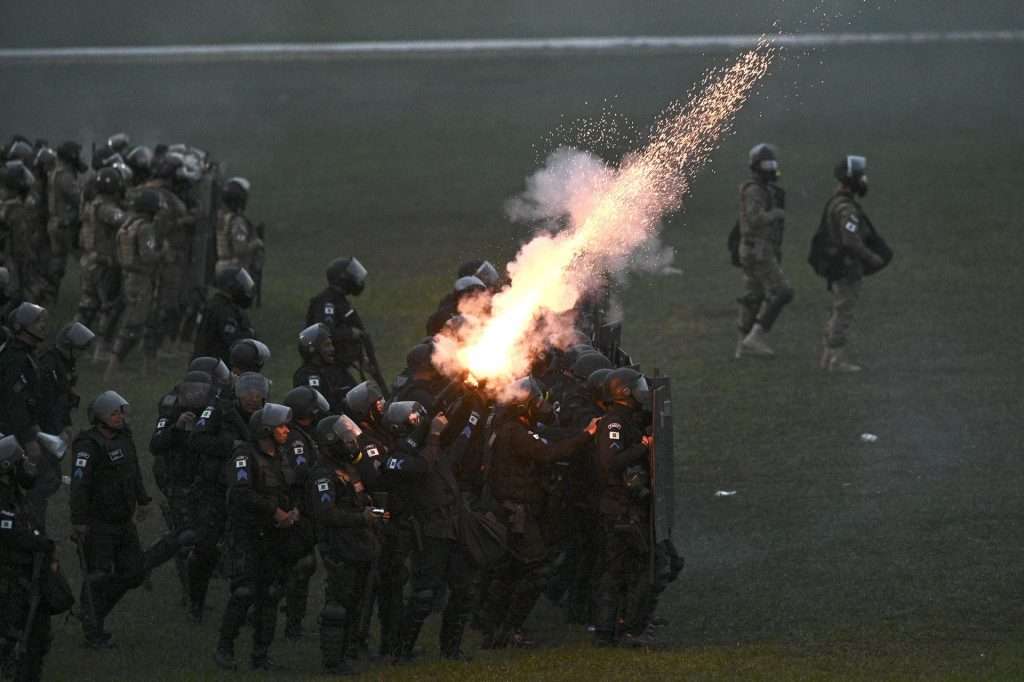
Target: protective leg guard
{"x":332,"y":634}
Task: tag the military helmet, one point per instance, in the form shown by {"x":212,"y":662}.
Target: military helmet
{"x":588,"y":363}
{"x":148,"y":201}
{"x":17,"y":176}
{"x":167,"y":168}
{"x":253,"y":382}
{"x":126,"y":172}
{"x":235,"y":193}
{"x":45,"y":161}
{"x":465,"y":285}
{"x":74,"y":337}
{"x":20,"y":150}
{"x":11,"y":454}
{"x":215,"y":367}
{"x":264,"y":420}
{"x":236,"y":282}
{"x":488,"y":274}
{"x":338,"y":430}
{"x":104,"y":405}
{"x":312,"y":338}
{"x":70,"y":152}
{"x":404,"y":418}
{"x":194,"y":389}
{"x":852,"y":171}
{"x":764,"y":158}
{"x":119,"y":142}
{"x":306,"y":403}
{"x":364,"y":402}
{"x":626,"y":386}
{"x":348,"y":274}
{"x":29,"y":318}
{"x":140,"y":160}
{"x":109,"y":181}
{"x":248,"y":355}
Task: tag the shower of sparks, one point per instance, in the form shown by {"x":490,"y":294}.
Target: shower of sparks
{"x":608,"y":221}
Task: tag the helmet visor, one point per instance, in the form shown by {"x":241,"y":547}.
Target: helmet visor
{"x":356,"y":272}
{"x":856,"y":166}
{"x":488,"y":274}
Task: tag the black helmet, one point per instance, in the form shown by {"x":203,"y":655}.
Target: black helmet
{"x":264,"y":420}
{"x":20,"y":150}
{"x":852,"y":171}
{"x":588,"y":363}
{"x":406,"y":419}
{"x":468,"y":284}
{"x":528,"y":398}
{"x":595,"y":383}
{"x":364,"y":402}
{"x":30,"y":319}
{"x":248,"y":355}
{"x":235,"y":193}
{"x":126,"y":172}
{"x":74,"y":337}
{"x":18,"y":177}
{"x":11,"y":455}
{"x":148,"y":201}
{"x":215,"y":367}
{"x":119,"y":142}
{"x":764,"y":160}
{"x":104,"y":405}
{"x":488,"y":274}
{"x":45,"y":160}
{"x":306,"y":403}
{"x":419,"y":358}
{"x":347,"y":274}
{"x":628,"y":387}
{"x":140,"y":160}
{"x":167,"y":168}
{"x":109,"y":181}
{"x":70,"y":152}
{"x":236,"y":283}
{"x":194,"y":390}
{"x":312,"y":338}
{"x":252,"y":382}
{"x":338,"y":431}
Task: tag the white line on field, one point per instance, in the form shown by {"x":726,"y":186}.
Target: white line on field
{"x":468,"y":48}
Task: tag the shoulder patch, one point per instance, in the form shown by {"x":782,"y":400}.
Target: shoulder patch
{"x":314,"y":380}
{"x":117,"y":455}
{"x":323,"y":485}
{"x":372,"y":451}
{"x":328,"y":309}
{"x":161,"y":423}
{"x":6,"y":524}
{"x":851,"y":226}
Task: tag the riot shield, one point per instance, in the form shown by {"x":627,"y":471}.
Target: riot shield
{"x":608,"y":339}
{"x":662,"y":461}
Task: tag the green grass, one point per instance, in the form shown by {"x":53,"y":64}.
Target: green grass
{"x":836,"y":559}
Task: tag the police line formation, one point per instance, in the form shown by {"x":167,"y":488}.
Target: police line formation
{"x":426,"y":495}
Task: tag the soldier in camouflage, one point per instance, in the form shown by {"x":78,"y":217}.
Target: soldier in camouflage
{"x":64,"y":192}
{"x":237,"y":241}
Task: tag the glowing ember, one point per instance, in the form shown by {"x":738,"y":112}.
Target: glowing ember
{"x":611,"y":215}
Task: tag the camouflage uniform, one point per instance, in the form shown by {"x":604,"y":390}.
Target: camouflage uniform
{"x":173,"y":224}
{"x":766,"y":290}
{"x":850,"y":229}
{"x":62,"y":204}
{"x":237,"y":242}
{"x":100,"y":301}
{"x":139,"y":253}
{"x":18,"y":224}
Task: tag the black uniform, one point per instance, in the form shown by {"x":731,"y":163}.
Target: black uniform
{"x":106,"y":488}
{"x":57,"y":398}
{"x":220,"y":425}
{"x":20,"y":391}
{"x":332,"y":381}
{"x":300,"y":458}
{"x":224,"y":322}
{"x":348,"y":547}
{"x":21,"y":540}
{"x":257,"y":487}
{"x":516,"y":479}
{"x":332,"y":308}
{"x":625,"y":519}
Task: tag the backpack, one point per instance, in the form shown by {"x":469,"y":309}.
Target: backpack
{"x":825,"y":256}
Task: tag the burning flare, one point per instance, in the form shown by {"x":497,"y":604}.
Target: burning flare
{"x":611,"y":214}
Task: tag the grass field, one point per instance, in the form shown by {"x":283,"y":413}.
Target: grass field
{"x":836,"y":559}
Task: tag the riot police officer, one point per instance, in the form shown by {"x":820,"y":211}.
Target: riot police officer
{"x":99,"y":305}
{"x":248,"y":355}
{"x":761,"y":224}
{"x":319,"y":370}
{"x":516,"y":482}
{"x":20,"y":388}
{"x":347,"y":532}
{"x":301,"y":453}
{"x":262,"y":515}
{"x":225,"y":320}
{"x":224,"y":420}
{"x":465,"y":288}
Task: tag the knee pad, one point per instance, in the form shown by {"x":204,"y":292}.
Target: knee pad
{"x":423,"y":601}
{"x":333,"y":613}
{"x":306,"y":566}
{"x":750,"y":300}
{"x":243,"y":592}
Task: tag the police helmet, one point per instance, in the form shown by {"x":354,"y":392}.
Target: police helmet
{"x":168,"y":166}
{"x":405,"y":418}
{"x":45,"y":160}
{"x":852,"y":171}
{"x":18,"y":177}
{"x":595,"y":382}
{"x":70,"y":152}
{"x":312,"y":338}
{"x":74,"y":337}
{"x":528,"y":398}
{"x":30,"y":319}
{"x":628,"y":387}
{"x":126,"y":172}
{"x":264,"y":420}
{"x":140,"y":160}
{"x":119,"y":142}
{"x":365,"y":402}
{"x":148,"y":201}
{"x":11,"y":455}
{"x":105,"y":405}
{"x":109,"y":181}
{"x":488,"y":274}
{"x":588,"y":363}
{"x":20,"y":150}
{"x":764,"y":159}
{"x":194,"y":389}
{"x":338,"y":431}
{"x":215,"y":367}
{"x":236,"y":282}
{"x":347,"y":274}
{"x":248,"y":355}
{"x":470,"y":283}
{"x":235,"y":193}
{"x":306,"y":403}
{"x":252,"y":382}
{"x":419,"y":358}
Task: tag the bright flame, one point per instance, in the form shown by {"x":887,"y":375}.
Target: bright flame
{"x":611,"y":215}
